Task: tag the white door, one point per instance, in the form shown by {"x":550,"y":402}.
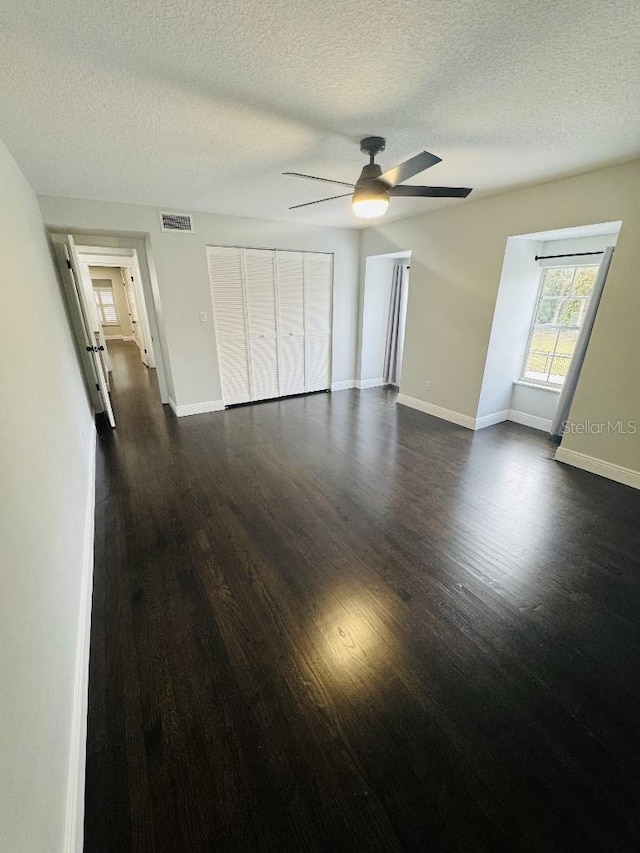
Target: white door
{"x":290,"y":300}
{"x":317,"y":298}
{"x":134,"y":315}
{"x":85,"y":284}
{"x":260,"y":290}
{"x":84,"y":309}
{"x":230,"y":321}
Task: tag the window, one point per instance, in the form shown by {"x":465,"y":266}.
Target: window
{"x":562,"y":302}
{"x":106,"y":306}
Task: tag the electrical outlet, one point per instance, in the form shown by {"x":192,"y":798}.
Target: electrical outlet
{"x":203,"y":317}
{"x":427,"y":385}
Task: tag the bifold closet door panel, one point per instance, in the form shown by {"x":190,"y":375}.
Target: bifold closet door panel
{"x":318,"y":362}
{"x":290,"y":279}
{"x":290,"y":299}
{"x":317,"y":294}
{"x":229,"y":317}
{"x":291,"y":363}
{"x":260,"y":285}
{"x":318,"y":274}
{"x":264,"y":368}
{"x":260,"y":289}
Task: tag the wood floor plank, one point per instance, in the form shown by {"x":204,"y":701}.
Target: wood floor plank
{"x":330,"y":623}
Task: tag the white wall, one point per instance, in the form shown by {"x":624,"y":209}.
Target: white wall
{"x":515,"y":304}
{"x":534,"y":402}
{"x":455,"y":269}
{"x":596,"y":243}
{"x":375,"y":317}
{"x":181,"y":265}
{"x":46,"y":535}
{"x":122,"y":306}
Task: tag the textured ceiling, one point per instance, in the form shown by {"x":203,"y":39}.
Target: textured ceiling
{"x":200,"y":105}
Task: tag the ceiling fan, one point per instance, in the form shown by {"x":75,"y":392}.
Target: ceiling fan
{"x":370,"y":194}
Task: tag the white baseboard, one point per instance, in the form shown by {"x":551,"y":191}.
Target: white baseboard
{"x":437,"y":411}
{"x":626,"y":476}
{"x":490,"y":420}
{"x":344,"y":385}
{"x":523,"y":418}
{"x":196,"y":408}
{"x":362,"y":384}
{"x":515,"y":416}
{"x":74,"y":819}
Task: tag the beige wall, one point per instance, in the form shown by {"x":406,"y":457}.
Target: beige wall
{"x":181,"y":265}
{"x":455,"y":271}
{"x":46,"y":528}
{"x":122,"y":306}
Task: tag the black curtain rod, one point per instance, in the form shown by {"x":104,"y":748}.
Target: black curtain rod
{"x":569,"y":255}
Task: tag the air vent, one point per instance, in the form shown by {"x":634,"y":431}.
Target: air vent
{"x":177,"y":222}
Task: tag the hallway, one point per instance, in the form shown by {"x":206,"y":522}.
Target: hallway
{"x":330,"y":623}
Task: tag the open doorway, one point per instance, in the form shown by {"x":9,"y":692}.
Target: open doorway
{"x":113,"y":303}
{"x":110,"y":316}
{"x":384,"y":313}
{"x":115,"y":284}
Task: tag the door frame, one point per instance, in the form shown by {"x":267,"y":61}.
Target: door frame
{"x":127,"y":259}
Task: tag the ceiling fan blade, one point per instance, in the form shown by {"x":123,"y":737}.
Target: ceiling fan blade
{"x":412,"y":166}
{"x":331,"y":197}
{"x":314,"y":178}
{"x":430,"y":192}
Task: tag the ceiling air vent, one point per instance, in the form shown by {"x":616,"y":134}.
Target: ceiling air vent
{"x":177,"y":222}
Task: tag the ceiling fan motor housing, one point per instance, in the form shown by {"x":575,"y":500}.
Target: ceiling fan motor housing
{"x":373,"y":145}
{"x":368,"y":183}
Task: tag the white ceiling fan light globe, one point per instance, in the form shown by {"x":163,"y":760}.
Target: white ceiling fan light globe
{"x":370,"y":208}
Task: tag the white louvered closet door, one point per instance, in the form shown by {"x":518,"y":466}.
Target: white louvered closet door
{"x":290,"y":290}
{"x":260,"y":290}
{"x":229,"y":314}
{"x":317,"y":287}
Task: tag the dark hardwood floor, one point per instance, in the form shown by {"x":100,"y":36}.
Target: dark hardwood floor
{"x":331,"y":623}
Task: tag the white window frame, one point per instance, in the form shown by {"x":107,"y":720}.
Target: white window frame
{"x":532,"y":326}
{"x":103,"y":288}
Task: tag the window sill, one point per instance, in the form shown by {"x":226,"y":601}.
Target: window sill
{"x":548,"y":388}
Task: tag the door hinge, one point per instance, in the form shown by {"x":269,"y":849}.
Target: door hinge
{"x":97,"y":387}
{"x":68,"y":263}
{"x":145,"y":351}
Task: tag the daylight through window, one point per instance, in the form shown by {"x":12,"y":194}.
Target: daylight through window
{"x":562,"y":302}
{"x":106,"y":306}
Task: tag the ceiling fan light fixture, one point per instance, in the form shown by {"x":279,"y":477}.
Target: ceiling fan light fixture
{"x":370,"y":203}
{"x":370,"y":208}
